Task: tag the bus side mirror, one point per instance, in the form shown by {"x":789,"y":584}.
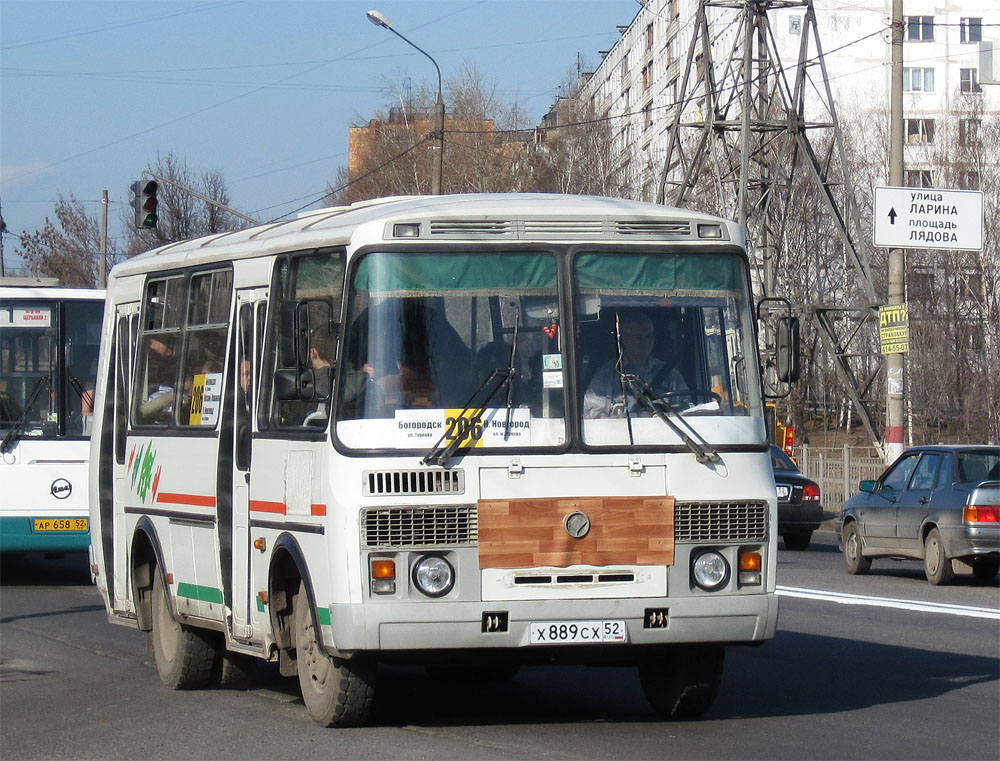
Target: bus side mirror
{"x":315,"y":384}
{"x":286,"y":384}
{"x":293,"y":340}
{"x":787,"y":349}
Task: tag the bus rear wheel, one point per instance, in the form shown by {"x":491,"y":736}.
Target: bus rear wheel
{"x":337,"y":692}
{"x":185,"y":656}
{"x":681,"y":681}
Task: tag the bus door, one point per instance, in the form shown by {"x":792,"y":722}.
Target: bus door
{"x":126,"y":327}
{"x":251,"y":304}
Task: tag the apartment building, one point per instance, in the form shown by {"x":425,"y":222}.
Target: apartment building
{"x":640,"y":82}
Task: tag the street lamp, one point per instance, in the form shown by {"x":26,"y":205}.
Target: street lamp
{"x":380,"y":19}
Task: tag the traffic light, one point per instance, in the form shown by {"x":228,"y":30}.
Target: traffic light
{"x":144,"y":202}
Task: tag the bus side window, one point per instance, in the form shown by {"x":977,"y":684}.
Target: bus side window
{"x":309,"y":289}
{"x":163,"y":314}
{"x":122,"y":336}
{"x":244,"y":393}
{"x":205,"y":333}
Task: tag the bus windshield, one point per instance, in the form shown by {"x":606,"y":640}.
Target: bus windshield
{"x":46,"y":391}
{"x":429,"y":335}
{"x":665,"y":345}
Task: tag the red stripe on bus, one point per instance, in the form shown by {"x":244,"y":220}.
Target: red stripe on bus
{"x":185,"y":499}
{"x":319,"y":509}
{"x":261,"y":506}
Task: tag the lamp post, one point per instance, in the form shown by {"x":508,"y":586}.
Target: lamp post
{"x":380,"y":19}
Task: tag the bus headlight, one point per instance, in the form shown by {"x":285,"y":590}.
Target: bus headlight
{"x":434,"y":576}
{"x":710,"y":570}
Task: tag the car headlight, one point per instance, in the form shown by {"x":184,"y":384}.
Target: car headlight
{"x":710,"y":570}
{"x":434,"y":576}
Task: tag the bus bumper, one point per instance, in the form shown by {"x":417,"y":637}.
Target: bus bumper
{"x":19,"y":535}
{"x":737,"y":619}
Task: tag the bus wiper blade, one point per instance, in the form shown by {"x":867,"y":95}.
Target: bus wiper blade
{"x":510,"y":382}
{"x":15,"y":430}
{"x":702,"y":450}
{"x":440,"y":455}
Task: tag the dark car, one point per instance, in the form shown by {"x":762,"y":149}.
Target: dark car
{"x":799,"y":508}
{"x":940,"y":504}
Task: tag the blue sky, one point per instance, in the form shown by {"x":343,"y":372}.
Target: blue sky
{"x":263,"y":92}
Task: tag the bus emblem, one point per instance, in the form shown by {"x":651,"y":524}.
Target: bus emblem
{"x":577,"y":524}
{"x":61,"y":488}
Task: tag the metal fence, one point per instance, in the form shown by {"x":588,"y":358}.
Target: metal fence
{"x":838,"y":471}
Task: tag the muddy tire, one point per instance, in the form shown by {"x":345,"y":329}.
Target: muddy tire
{"x":184,"y":655}
{"x":337,"y":692}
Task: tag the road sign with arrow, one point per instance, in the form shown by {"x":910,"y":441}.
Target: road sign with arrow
{"x":928,"y":218}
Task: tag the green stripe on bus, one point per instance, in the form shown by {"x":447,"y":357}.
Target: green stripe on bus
{"x":323,"y":614}
{"x":195,"y":592}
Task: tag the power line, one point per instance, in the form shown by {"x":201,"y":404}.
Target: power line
{"x":347,"y":184}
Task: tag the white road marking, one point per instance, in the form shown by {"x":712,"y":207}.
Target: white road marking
{"x":889,"y":602}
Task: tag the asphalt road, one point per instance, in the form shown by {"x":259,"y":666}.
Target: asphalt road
{"x":879,"y":667}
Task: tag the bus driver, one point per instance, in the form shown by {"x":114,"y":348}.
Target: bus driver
{"x":603,"y":398}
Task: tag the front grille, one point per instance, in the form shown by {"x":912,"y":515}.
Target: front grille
{"x":653,"y":227}
{"x":555,"y":228}
{"x":382,"y":483}
{"x":406,"y":527}
{"x":469,"y":228}
{"x":720,"y":521}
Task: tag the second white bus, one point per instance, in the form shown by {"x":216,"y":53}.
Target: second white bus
{"x":49,"y":344}
{"x":427,"y":430}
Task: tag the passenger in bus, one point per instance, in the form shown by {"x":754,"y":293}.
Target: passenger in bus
{"x":603,"y":398}
{"x":158,"y":404}
{"x":411,"y":387}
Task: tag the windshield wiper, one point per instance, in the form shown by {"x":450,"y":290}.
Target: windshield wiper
{"x":661,"y":408}
{"x":15,"y":430}
{"x":439,"y":455}
{"x":510,"y":381}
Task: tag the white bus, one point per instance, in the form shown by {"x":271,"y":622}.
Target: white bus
{"x":49,"y":344}
{"x":427,"y":430}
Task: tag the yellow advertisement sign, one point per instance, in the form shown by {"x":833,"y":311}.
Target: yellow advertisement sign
{"x":893,"y":329}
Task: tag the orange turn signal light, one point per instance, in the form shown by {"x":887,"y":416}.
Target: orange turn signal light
{"x":750,"y":561}
{"x":383,"y":569}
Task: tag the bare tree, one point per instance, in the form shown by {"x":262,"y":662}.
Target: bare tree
{"x":394,"y":152}
{"x":67,"y":249}
{"x":575,"y":151}
{"x":488,"y":147}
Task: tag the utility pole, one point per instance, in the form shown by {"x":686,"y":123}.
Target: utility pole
{"x":3,"y":229}
{"x":894,"y":362}
{"x":102,"y":264}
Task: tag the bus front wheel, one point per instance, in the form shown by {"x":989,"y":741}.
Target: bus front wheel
{"x":185,"y":656}
{"x":681,"y":681}
{"x":337,"y":692}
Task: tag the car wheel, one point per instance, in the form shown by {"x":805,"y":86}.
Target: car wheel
{"x":797,"y":542}
{"x":855,"y":563}
{"x":337,"y":692}
{"x":937,"y":567}
{"x":985,"y":569}
{"x":681,"y":681}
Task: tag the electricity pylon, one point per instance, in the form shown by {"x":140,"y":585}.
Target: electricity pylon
{"x":741,"y":134}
